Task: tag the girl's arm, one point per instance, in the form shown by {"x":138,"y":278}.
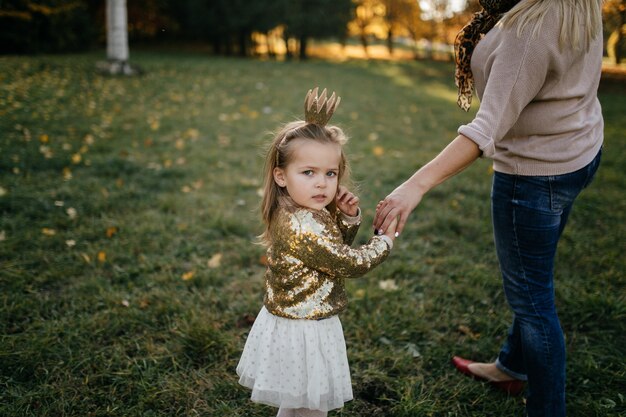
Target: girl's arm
{"x":457,"y":156}
{"x":348,"y":214}
{"x":308,"y":239}
{"x":349,"y":226}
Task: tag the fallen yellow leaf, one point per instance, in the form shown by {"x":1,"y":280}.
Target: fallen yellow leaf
{"x":215,"y":261}
{"x":188,"y":275}
{"x":111,"y":231}
{"x":192,"y":133}
{"x":102,"y":256}
{"x":71,"y":213}
{"x":48,"y":232}
{"x":468,"y":332}
{"x":378,"y":151}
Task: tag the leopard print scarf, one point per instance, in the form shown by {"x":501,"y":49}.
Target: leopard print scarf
{"x":466,"y":41}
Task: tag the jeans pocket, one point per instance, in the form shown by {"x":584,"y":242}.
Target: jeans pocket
{"x":592,"y":168}
{"x":565,"y":188}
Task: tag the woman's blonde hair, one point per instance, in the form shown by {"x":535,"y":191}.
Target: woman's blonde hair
{"x":279,"y":154}
{"x":581,"y":20}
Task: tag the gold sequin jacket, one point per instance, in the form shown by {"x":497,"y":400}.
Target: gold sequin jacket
{"x":309,"y":258}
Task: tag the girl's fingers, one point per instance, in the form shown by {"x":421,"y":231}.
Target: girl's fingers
{"x":381,"y":214}
{"x":385,"y":221}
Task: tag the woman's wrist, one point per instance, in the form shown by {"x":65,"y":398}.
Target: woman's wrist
{"x":419,"y":183}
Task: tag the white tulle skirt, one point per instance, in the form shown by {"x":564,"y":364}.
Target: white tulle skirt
{"x":296,"y":363}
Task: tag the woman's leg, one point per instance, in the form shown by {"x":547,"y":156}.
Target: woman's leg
{"x":286,"y":412}
{"x":529,"y":214}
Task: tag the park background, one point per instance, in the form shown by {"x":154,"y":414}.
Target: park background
{"x":129,"y":269}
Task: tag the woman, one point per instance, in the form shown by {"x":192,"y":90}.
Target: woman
{"x":536,"y":68}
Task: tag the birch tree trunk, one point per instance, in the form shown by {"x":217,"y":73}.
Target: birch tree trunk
{"x":117,"y":30}
{"x":117,"y":41}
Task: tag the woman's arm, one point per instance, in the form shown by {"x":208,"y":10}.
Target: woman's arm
{"x":457,"y":156}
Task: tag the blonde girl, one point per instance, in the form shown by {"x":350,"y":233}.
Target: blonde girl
{"x":295,"y":355}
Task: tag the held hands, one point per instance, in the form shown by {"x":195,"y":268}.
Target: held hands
{"x":347,"y":202}
{"x":393,"y":211}
{"x":390,"y":232}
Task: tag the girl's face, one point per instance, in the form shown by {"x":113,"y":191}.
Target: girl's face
{"x":312,"y":175}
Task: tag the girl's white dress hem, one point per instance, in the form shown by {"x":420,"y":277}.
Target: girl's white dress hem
{"x":296,"y":363}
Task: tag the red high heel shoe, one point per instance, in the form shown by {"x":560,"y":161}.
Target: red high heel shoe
{"x":512,"y":387}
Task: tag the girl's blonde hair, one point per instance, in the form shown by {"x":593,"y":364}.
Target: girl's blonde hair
{"x":581,"y":20}
{"x":279,"y":155}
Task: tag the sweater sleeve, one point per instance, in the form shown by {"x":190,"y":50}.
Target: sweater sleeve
{"x":514,"y":73}
{"x":311,"y":241}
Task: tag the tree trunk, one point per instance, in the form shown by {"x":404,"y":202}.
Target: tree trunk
{"x":390,"y":41}
{"x":243,"y":43}
{"x":615,"y":41}
{"x":117,"y":31}
{"x":288,"y":53}
{"x":363,"y":37}
{"x":303,"y":45}
{"x":117,"y":41}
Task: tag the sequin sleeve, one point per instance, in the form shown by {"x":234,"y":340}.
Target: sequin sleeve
{"x":349,"y":225}
{"x":311,"y":239}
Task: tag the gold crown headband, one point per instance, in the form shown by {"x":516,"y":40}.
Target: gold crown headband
{"x":319,"y":110}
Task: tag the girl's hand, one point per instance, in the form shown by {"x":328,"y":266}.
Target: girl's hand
{"x":391,"y":230}
{"x":347,"y":202}
{"x":396,"y":207}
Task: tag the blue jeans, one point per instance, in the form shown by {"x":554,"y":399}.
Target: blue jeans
{"x":529,"y":214}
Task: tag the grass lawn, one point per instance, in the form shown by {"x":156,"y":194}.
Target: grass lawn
{"x":129,"y":275}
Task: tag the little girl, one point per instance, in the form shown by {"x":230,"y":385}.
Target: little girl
{"x":295,"y":355}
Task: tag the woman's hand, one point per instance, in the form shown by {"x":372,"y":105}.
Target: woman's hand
{"x":347,"y":202}
{"x":396,"y":206}
{"x":458,"y":155}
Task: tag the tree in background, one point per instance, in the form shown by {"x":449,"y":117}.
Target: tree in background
{"x":366,"y":14}
{"x":117,"y":62}
{"x":402,"y":15}
{"x":232,"y":26}
{"x":438,"y":14}
{"x":391,"y":15}
{"x":615,"y":23}
{"x":410,"y":18}
{"x":117,"y":31}
{"x":315,"y":19}
{"x":46,"y":26}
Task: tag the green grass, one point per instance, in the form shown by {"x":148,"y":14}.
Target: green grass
{"x":120,"y":197}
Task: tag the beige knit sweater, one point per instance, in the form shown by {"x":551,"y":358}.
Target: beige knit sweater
{"x":539,"y":112}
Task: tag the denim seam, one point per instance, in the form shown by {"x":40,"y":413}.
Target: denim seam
{"x":551,"y":194}
{"x":519,"y":256}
